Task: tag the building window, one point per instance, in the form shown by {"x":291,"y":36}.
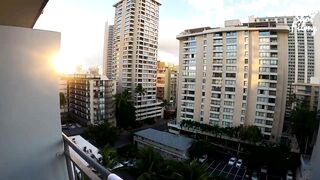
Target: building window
{"x":231,"y":40}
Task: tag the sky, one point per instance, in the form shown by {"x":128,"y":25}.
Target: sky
{"x":82,"y":22}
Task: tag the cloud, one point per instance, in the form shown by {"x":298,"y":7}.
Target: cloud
{"x":206,"y":5}
{"x":214,"y":12}
{"x":208,"y":13}
{"x":81,"y":23}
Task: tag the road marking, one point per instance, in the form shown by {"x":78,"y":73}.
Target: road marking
{"x":222,"y":169}
{"x":244,"y":174}
{"x":236,"y":174}
{"x":204,"y":164}
{"x":229,"y":171}
{"x":209,"y":165}
{"x":214,"y":169}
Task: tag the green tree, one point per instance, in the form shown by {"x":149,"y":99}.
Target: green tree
{"x":253,"y":134}
{"x":141,"y":92}
{"x":110,"y":157}
{"x":125,"y":110}
{"x":101,"y":135}
{"x":249,"y":133}
{"x":190,"y":171}
{"x":148,"y":158}
{"x":199,"y":148}
{"x":304,"y":125}
{"x":149,"y":163}
{"x":166,"y":104}
{"x":152,"y":166}
{"x":63,"y":100}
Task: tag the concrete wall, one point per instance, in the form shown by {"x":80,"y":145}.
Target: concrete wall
{"x":30,"y":131}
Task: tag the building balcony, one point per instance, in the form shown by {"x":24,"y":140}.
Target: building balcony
{"x":76,"y":167}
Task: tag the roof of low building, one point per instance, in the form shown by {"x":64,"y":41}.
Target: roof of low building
{"x":165,"y":138}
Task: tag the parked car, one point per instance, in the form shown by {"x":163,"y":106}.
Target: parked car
{"x":289,"y":175}
{"x":203,"y":158}
{"x":232,"y":161}
{"x":264,"y":169}
{"x":254,"y":175}
{"x":239,"y":163}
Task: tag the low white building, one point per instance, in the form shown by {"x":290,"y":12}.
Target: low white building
{"x":87,"y":147}
{"x":167,"y":144}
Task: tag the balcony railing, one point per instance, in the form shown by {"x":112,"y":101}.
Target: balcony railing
{"x":78,"y":170}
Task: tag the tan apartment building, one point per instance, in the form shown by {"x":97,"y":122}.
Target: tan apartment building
{"x":174,"y":72}
{"x":90,"y":99}
{"x":234,"y":75}
{"x":135,"y":48}
{"x":167,"y":79}
{"x":161,"y":80}
{"x":306,"y":93}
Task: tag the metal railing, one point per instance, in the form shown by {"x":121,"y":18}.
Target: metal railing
{"x":77,"y":170}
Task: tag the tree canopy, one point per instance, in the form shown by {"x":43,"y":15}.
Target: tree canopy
{"x":125,"y":110}
{"x":151,"y":165}
{"x":101,"y":135}
{"x":246,"y":133}
{"x":304,"y":124}
{"x":140,"y":90}
{"x":110,"y":157}
{"x":199,"y":148}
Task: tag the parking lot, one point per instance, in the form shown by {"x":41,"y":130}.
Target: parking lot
{"x":222,"y":169}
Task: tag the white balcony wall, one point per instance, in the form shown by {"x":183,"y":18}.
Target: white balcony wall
{"x":30,"y":131}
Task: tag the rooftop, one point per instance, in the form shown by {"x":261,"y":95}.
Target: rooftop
{"x":165,"y":138}
{"x":86,"y":146}
{"x":120,"y":1}
{"x":235,"y":25}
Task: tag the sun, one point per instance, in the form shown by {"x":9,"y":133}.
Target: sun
{"x":64,"y":64}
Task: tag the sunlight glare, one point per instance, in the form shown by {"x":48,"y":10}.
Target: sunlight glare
{"x":64,"y":64}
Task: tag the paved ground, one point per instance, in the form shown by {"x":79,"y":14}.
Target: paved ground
{"x":222,"y":169}
{"x":72,"y":129}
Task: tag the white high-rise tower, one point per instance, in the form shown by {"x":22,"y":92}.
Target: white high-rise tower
{"x":135,"y":46}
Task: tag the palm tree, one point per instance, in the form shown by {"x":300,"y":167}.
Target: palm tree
{"x":166,"y":104}
{"x":123,"y":102}
{"x":123,"y":97}
{"x":149,"y":163}
{"x":304,"y":124}
{"x":109,"y":157}
{"x":141,"y":92}
{"x":192,"y":171}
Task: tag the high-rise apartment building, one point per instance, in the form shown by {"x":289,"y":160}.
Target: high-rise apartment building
{"x":108,"y":63}
{"x":234,"y":75}
{"x":90,"y":99}
{"x":301,"y":49}
{"x":135,"y":48}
